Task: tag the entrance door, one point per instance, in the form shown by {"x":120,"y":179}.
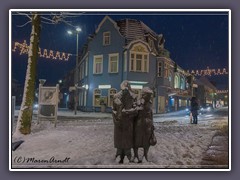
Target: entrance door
{"x":161,"y":104}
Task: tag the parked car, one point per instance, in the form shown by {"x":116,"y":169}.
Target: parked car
{"x":205,"y":108}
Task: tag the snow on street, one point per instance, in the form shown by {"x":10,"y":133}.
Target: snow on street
{"x":89,"y":144}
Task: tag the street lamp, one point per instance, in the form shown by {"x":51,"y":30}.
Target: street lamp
{"x":77,"y":31}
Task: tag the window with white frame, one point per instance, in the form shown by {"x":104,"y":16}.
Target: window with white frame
{"x":182,"y":83}
{"x":113,"y":63}
{"x":132,"y":67}
{"x":111,"y":93}
{"x":106,"y":38}
{"x":96,"y":97}
{"x":86,"y":67}
{"x":176,"y":82}
{"x":98,"y":64}
{"x":125,"y":61}
{"x":139,"y":62}
{"x":160,"y":73}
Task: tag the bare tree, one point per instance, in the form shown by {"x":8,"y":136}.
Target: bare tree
{"x":25,"y":114}
{"x":26,"y":110}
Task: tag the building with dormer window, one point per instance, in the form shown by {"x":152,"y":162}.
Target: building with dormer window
{"x":129,"y":50}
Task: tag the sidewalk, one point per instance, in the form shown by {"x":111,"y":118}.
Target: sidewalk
{"x":63,"y":112}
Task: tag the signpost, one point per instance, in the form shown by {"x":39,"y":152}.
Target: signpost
{"x":48,"y":103}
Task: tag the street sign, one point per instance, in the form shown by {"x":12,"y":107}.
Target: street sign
{"x":48,"y":103}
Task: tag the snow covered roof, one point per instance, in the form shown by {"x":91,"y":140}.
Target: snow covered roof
{"x":133,"y":29}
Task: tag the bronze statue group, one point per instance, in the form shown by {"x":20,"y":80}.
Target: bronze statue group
{"x":133,"y":122}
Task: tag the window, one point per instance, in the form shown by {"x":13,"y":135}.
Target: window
{"x":125,"y":61}
{"x":132,"y":62}
{"x":145,"y":63}
{"x":159,"y":69}
{"x":170,"y":77}
{"x":96,"y":97}
{"x":82,"y":70}
{"x":106,"y":38}
{"x":151,"y":43}
{"x":166,"y":70}
{"x":182,"y":85}
{"x":113,"y":63}
{"x":98,"y":64}
{"x":85,"y":98}
{"x":80,"y":100}
{"x":139,"y":62}
{"x":176,"y":81}
{"x":111,"y":93}
{"x":86,"y":67}
{"x":139,"y":58}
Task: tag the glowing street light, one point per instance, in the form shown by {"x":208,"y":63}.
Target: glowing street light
{"x":77,"y":31}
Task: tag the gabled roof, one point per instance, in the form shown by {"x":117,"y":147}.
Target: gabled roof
{"x":102,"y":22}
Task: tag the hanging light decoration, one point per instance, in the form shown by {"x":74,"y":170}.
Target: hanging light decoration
{"x":208,"y":72}
{"x":222,"y":91}
{"x":23,"y":48}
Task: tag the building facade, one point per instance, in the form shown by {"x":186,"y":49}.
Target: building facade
{"x":129,"y":50}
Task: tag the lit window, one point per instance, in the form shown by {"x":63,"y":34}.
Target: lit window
{"x":113,"y":63}
{"x":139,"y":62}
{"x":111,"y":93}
{"x":98,"y":64}
{"x":139,"y":58}
{"x":145,"y":63}
{"x":159,"y":69}
{"x":106,"y":38}
{"x":96,"y":97}
{"x":176,"y":81}
{"x":182,"y":85}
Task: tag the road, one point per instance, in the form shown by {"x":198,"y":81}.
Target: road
{"x":182,"y":117}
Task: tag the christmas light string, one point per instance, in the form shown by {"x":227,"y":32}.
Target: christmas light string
{"x":222,"y":91}
{"x":208,"y":72}
{"x":45,"y":53}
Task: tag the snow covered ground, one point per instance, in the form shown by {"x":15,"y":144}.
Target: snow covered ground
{"x":88,"y":143}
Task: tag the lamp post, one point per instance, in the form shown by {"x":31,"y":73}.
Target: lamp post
{"x":77,"y":31}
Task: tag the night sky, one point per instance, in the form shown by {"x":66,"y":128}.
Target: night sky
{"x":195,"y":40}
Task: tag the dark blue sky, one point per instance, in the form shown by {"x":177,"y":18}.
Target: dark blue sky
{"x":195,"y":41}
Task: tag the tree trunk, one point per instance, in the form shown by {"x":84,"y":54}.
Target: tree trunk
{"x":26,"y":110}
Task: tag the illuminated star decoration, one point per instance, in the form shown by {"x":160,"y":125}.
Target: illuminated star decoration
{"x":208,"y":72}
{"x":45,"y":53}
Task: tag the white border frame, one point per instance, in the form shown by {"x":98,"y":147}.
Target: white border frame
{"x":122,"y":10}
